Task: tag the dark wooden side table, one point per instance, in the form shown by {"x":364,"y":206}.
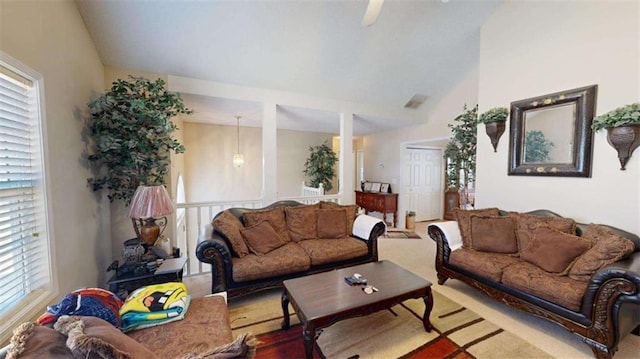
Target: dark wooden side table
{"x":379,"y":202}
{"x":169,"y":271}
{"x":323,"y":299}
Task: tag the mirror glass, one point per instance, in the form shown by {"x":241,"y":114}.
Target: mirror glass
{"x":549,"y":134}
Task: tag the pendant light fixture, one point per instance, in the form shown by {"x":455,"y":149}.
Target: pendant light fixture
{"x":238,"y":158}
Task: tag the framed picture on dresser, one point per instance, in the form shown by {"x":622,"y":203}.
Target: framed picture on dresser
{"x":384,"y":188}
{"x":367,"y":186}
{"x":375,"y":187}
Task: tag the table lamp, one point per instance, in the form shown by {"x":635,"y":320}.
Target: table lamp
{"x":149,"y":208}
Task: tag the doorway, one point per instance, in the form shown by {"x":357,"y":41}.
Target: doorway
{"x":422,"y":179}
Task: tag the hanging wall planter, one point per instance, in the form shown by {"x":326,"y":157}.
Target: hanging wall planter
{"x":494,"y":121}
{"x":623,"y":130}
{"x":624,"y":139}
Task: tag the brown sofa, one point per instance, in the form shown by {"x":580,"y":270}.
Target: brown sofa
{"x":584,"y":277}
{"x":205,"y":332}
{"x":254,"y":249}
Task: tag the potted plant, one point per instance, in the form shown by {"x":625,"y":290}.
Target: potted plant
{"x":494,"y":121}
{"x":623,"y":130}
{"x":460,"y":153}
{"x":320,"y":166}
{"x":131,"y":129}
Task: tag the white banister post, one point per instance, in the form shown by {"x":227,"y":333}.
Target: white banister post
{"x":321,"y":189}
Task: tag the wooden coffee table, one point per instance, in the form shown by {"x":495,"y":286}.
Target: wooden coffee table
{"x":323,"y":299}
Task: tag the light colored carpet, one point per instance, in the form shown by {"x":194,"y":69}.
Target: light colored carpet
{"x":418,"y":256}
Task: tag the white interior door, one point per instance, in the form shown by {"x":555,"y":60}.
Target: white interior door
{"x":422,"y":182}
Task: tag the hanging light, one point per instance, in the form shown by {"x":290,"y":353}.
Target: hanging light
{"x":238,"y":158}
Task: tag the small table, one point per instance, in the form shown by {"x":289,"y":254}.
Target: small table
{"x":323,"y":299}
{"x":379,"y":202}
{"x":169,"y":271}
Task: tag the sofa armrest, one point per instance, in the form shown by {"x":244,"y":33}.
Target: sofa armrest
{"x":447,"y":238}
{"x":608,"y":289}
{"x":365,"y":227}
{"x":214,"y":250}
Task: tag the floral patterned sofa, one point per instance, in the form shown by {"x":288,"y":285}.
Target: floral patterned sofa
{"x":205,"y":332}
{"x":584,"y":277}
{"x":254,"y":249}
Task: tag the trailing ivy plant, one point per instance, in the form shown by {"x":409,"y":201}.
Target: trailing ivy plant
{"x":537,"y":147}
{"x":320,"y":164}
{"x":131,"y":127}
{"x":460,"y":152}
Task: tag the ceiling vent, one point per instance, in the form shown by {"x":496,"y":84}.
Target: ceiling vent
{"x":416,"y":101}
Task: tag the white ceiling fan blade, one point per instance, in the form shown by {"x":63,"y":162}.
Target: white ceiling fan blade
{"x":372,"y":12}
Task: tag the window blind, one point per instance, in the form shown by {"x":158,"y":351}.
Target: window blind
{"x":24,"y":254}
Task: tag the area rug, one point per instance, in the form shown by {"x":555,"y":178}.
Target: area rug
{"x":399,"y":233}
{"x":396,"y":333}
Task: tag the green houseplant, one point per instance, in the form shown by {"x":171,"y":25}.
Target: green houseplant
{"x":494,"y":121}
{"x":460,"y":152}
{"x":131,"y":128}
{"x":319,"y":166}
{"x":623,"y":130}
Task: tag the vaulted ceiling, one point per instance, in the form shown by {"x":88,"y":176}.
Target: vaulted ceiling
{"x":317,"y":48}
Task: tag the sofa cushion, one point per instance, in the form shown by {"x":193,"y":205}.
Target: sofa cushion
{"x":323,"y":251}
{"x":229,"y":226}
{"x":463,"y":217}
{"x":274,"y":216}
{"x":484,"y":264}
{"x":332,"y":223}
{"x":302,"y":222}
{"x":262,"y":238}
{"x":554,"y":251}
{"x":205,"y":327}
{"x":493,"y":234}
{"x":526,"y":224}
{"x":352,"y":212}
{"x":608,"y":248}
{"x":533,"y":280}
{"x":290,"y":258}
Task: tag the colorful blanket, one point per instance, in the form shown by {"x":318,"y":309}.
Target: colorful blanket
{"x":94,"y":302}
{"x":154,"y":305}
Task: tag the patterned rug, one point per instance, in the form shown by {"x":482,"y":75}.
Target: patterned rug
{"x":400,"y":233}
{"x":396,"y":333}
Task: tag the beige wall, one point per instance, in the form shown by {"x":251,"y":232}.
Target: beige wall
{"x":210,"y":176}
{"x":569,"y":45}
{"x":50,"y":37}
{"x":382,"y":156}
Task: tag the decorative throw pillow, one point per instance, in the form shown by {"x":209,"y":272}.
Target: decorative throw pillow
{"x":274,"y":216}
{"x":526,"y":224}
{"x":230,"y":226}
{"x":352,"y":212}
{"x":332,"y":223}
{"x":262,"y":238}
{"x":493,"y":234}
{"x":464,"y":221}
{"x":302,"y":222}
{"x":553,"y":250}
{"x":608,"y":248}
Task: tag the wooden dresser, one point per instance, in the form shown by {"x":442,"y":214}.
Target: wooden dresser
{"x":379,"y":202}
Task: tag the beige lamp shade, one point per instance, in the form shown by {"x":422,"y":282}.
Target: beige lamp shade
{"x":150,"y":202}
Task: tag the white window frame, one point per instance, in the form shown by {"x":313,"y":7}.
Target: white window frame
{"x":34,"y":303}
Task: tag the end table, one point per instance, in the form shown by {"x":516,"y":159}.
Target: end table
{"x":170,"y":270}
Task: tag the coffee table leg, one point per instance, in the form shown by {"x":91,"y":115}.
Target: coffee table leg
{"x":309,"y":336}
{"x":285,"y":310}
{"x":428,"y":303}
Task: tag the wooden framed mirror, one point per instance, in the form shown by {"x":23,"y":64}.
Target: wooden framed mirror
{"x":551,"y":135}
